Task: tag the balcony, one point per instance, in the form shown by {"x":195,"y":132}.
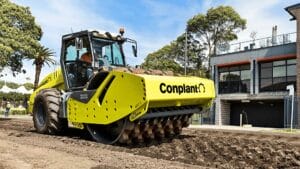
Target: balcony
{"x":227,"y":48}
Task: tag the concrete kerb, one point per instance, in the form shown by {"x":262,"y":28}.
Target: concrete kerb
{"x":238,"y":128}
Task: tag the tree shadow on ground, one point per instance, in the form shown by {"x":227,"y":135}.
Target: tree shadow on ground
{"x":4,"y":119}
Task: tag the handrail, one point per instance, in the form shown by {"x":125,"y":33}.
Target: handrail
{"x":226,"y":48}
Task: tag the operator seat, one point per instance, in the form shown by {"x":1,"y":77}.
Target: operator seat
{"x":80,"y":71}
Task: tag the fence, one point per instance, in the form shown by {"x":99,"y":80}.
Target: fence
{"x":282,"y":39}
{"x":205,"y":117}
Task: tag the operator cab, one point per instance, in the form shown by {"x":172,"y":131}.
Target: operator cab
{"x":86,"y":52}
{"x":108,"y":52}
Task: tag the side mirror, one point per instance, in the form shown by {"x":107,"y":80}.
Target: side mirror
{"x":78,"y":43}
{"x":134,"y":50}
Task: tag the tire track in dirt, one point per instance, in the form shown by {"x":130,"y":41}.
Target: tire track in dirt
{"x":209,"y":148}
{"x":74,"y":143}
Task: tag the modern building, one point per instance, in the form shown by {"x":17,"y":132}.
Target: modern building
{"x":251,"y":80}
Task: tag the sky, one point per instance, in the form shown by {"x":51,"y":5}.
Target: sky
{"x":152,"y":23}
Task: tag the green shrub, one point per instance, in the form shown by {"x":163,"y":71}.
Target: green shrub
{"x":15,"y":112}
{"x":12,"y":96}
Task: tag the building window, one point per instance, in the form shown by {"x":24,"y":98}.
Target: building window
{"x":234,"y":79}
{"x":276,"y":75}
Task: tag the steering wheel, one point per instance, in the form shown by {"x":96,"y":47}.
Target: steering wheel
{"x":79,"y":72}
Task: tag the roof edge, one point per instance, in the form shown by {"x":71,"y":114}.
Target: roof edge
{"x":289,"y":8}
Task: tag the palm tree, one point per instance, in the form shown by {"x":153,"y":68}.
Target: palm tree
{"x":43,"y":56}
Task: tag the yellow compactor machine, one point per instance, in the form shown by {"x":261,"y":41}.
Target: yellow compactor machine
{"x":94,"y":90}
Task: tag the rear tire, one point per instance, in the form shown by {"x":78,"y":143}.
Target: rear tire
{"x":46,"y":112}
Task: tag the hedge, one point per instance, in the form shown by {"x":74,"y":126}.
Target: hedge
{"x":14,"y":111}
{"x":13,"y":96}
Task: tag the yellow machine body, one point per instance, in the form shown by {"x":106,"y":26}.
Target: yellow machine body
{"x":114,"y":103}
{"x":52,"y":80}
{"x":125,"y":94}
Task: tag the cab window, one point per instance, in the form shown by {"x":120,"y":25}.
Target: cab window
{"x":70,"y":51}
{"x":77,"y":63}
{"x":117,"y":54}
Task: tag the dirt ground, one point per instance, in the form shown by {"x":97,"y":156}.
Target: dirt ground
{"x":22,"y":147}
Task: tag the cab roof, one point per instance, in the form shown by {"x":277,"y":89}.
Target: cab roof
{"x":97,"y":33}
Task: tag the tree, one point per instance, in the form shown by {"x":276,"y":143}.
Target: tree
{"x":172,"y":57}
{"x":218,"y":25}
{"x":162,"y":59}
{"x":28,"y":86}
{"x":13,"y":96}
{"x":195,"y":55}
{"x":13,"y":85}
{"x":19,"y":35}
{"x":204,"y":32}
{"x":44,"y":56}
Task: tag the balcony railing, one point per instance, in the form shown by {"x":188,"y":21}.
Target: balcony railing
{"x":226,"y":48}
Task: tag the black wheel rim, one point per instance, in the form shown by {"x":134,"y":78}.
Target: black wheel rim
{"x":107,"y":134}
{"x":40,"y":114}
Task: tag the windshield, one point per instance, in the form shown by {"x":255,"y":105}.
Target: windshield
{"x":108,"y":52}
